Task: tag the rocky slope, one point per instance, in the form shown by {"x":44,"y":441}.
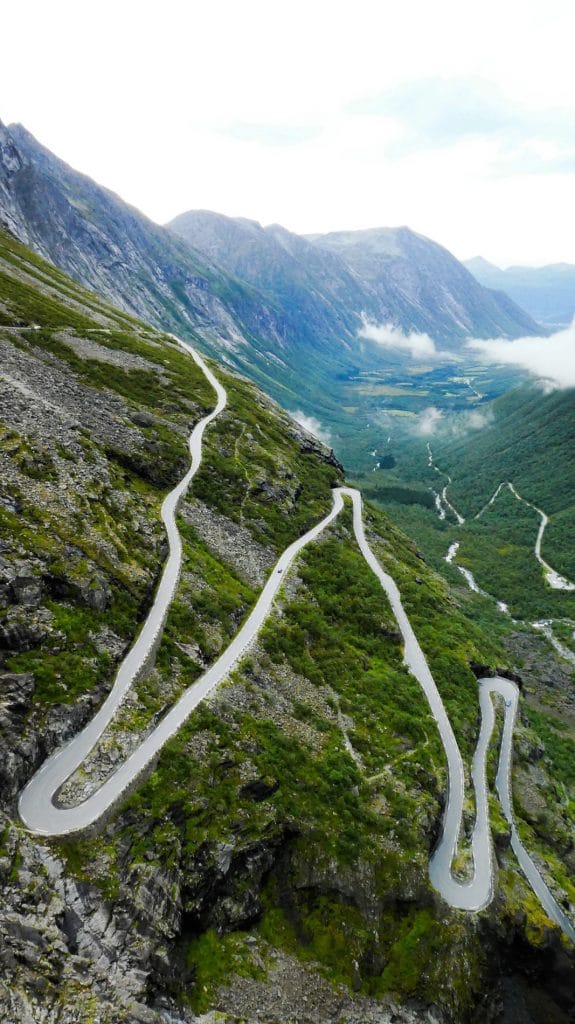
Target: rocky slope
{"x":273,"y":864}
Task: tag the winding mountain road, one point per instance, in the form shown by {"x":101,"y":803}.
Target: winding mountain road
{"x":41,"y":814}
{"x":442,"y":500}
{"x":554,"y":579}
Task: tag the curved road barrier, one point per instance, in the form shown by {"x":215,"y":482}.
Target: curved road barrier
{"x":41,"y":815}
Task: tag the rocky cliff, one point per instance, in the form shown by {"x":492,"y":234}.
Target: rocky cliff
{"x":436,"y":292}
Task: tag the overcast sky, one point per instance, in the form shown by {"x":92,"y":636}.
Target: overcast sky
{"x":454,"y":117}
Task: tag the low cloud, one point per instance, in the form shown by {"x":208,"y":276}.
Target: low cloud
{"x":436,"y":112}
{"x":433,"y":421}
{"x":428,"y":421}
{"x":419,"y":346}
{"x":475,"y":420}
{"x":312,"y":426}
{"x":551,"y":359}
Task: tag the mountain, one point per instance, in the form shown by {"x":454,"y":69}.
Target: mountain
{"x":320,"y":297}
{"x":547,"y":293}
{"x":283,"y":310}
{"x":437,"y":294}
{"x":92,"y":235}
{"x":328,"y":281}
{"x":107,"y":245}
{"x":272,"y":862}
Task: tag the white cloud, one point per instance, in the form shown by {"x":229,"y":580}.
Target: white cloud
{"x":433,"y":421}
{"x":428,"y":421}
{"x":551,"y":359}
{"x":476,"y":420}
{"x":419,"y":346}
{"x":312,"y":426}
{"x":441,"y":111}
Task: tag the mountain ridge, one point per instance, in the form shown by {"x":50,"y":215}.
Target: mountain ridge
{"x":287,"y":314}
{"x":398,"y":272}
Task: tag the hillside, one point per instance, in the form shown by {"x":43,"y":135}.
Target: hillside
{"x":531,"y":441}
{"x":530,"y":437}
{"x":281,"y":840}
{"x":546,"y":293}
{"x":504,"y":492}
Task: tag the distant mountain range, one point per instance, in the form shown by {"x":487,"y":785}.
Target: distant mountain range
{"x":547,"y":293}
{"x":281,"y":308}
{"x":390,"y":274}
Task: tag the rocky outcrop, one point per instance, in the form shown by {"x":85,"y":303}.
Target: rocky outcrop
{"x":293,"y":991}
{"x":95,"y":954}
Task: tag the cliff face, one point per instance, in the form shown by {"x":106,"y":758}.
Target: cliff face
{"x":436,"y":291}
{"x":273,"y":862}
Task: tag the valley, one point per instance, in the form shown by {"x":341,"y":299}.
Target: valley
{"x":267,"y":729}
{"x":456,"y":479}
{"x":499,"y":543}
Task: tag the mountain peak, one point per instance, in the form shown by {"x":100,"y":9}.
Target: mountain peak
{"x":478,"y":263}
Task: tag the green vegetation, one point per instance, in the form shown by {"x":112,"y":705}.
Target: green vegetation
{"x":256,"y":473}
{"x":316,"y":769}
{"x":559,"y":745}
{"x":388,"y":710}
{"x":212,"y":959}
{"x":377,"y":813}
{"x":526,"y":437}
{"x":95,"y":542}
{"x":415,"y":945}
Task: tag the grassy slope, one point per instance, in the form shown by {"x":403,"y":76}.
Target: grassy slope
{"x":277,"y":720}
